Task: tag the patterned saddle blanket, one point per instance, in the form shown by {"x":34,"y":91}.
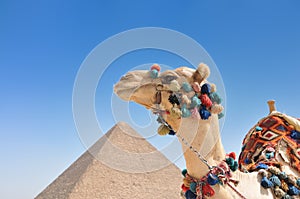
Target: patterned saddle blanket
{"x":274,"y":136}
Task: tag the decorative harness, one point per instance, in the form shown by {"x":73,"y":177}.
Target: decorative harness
{"x":198,"y":107}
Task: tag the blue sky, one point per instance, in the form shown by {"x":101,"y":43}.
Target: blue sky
{"x":256,"y":46}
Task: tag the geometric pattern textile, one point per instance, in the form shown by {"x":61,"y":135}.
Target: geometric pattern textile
{"x":263,"y":141}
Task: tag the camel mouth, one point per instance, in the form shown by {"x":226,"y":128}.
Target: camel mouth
{"x":129,"y":83}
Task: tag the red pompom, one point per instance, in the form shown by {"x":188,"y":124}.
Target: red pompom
{"x":205,"y":100}
{"x":208,"y":191}
{"x":156,"y":67}
{"x":184,"y":188}
{"x":232,"y":155}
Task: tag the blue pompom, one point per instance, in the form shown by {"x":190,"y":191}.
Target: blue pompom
{"x":186,"y":87}
{"x":205,"y":89}
{"x":258,"y":128}
{"x":212,"y":179}
{"x":185,"y":112}
{"x":215,"y":98}
{"x":266,"y":183}
{"x":190,"y":195}
{"x":275,"y":180}
{"x":295,"y":134}
{"x":282,"y":176}
{"x":204,"y":114}
{"x":293,"y":191}
{"x":184,"y":172}
{"x":154,"y":73}
{"x":193,"y":186}
{"x":195,"y":102}
{"x":262,"y":166}
{"x":220,"y":115}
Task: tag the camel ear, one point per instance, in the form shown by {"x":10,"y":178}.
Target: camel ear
{"x":201,"y":73}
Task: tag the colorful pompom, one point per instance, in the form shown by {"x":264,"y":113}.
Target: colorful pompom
{"x":196,"y":87}
{"x":163,"y":130}
{"x":232,"y":155}
{"x":212,"y":179}
{"x":193,"y":186}
{"x":155,"y":67}
{"x":204,"y":114}
{"x":185,"y":112}
{"x":195,"y":113}
{"x":266,"y":183}
{"x":216,"y":109}
{"x":215,"y":98}
{"x":195,"y":102}
{"x":185,"y":100}
{"x":293,"y":191}
{"x":221,"y":115}
{"x":205,"y":100}
{"x":184,"y":188}
{"x":205,"y":89}
{"x":190,"y":195}
{"x":154,"y":73}
{"x":275,"y":180}
{"x":186,"y":87}
{"x":173,"y":99}
{"x":175,"y":112}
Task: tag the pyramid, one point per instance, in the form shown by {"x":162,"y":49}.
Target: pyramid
{"x":120,"y":165}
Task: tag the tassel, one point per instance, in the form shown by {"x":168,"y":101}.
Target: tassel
{"x":205,"y":89}
{"x":215,"y":98}
{"x":275,"y":180}
{"x":185,"y":112}
{"x":195,"y":113}
{"x":195,"y":102}
{"x":266,"y":183}
{"x":205,"y":100}
{"x":204,"y":114}
{"x":207,"y":190}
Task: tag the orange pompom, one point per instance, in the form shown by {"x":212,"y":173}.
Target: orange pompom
{"x":205,"y":100}
{"x":156,"y":67}
{"x":184,"y":188}
{"x":232,"y":155}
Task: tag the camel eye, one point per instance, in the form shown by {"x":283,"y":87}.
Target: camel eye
{"x":167,"y":79}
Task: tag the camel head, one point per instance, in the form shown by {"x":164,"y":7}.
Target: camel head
{"x":175,"y":94}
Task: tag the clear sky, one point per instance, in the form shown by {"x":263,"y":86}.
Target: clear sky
{"x":255,"y":44}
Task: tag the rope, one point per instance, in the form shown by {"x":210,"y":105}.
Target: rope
{"x":199,"y":155}
{"x":236,"y":191}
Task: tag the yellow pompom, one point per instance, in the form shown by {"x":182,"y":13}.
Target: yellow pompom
{"x":163,"y":130}
{"x":213,"y":88}
{"x":175,"y":112}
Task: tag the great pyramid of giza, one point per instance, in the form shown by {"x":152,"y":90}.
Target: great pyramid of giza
{"x":90,"y":178}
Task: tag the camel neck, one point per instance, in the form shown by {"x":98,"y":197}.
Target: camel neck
{"x":206,"y":140}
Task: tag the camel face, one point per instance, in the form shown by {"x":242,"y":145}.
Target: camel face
{"x":140,"y":87}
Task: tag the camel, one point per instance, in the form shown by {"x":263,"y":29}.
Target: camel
{"x":200,"y":137}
